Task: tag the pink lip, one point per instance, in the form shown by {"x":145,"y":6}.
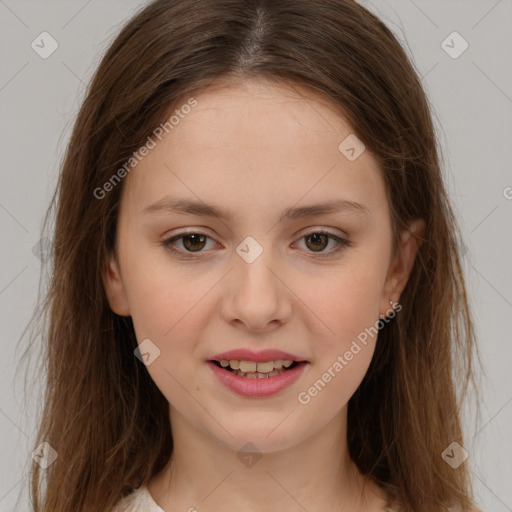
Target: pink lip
{"x":244,"y":354}
{"x":257,"y":388}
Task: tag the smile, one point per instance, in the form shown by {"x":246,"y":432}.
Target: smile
{"x":256,"y":370}
{"x":257,"y":379}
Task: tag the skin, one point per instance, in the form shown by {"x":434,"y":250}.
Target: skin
{"x":255,"y":149}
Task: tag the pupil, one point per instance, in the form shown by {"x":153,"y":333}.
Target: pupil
{"x":194,"y":237}
{"x":318,"y":238}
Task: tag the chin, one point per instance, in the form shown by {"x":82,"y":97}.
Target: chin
{"x":267,"y":436}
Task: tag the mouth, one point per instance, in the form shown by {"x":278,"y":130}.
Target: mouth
{"x":257,"y":379}
{"x":256,"y":370}
{"x":260,"y":374}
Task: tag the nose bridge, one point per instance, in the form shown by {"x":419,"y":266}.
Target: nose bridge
{"x":258,"y":295}
{"x":255,"y":263}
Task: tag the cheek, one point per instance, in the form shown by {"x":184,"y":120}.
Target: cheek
{"x":169,"y":307}
{"x":158,"y":291}
{"x":341,"y":305}
{"x":345,"y":334}
{"x":344,"y":329}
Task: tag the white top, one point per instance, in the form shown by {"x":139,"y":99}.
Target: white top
{"x":140,"y":500}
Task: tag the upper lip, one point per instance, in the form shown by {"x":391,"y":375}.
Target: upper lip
{"x":244,"y":354}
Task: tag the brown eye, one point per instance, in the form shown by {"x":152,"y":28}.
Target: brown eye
{"x":318,"y":241}
{"x":191,"y":243}
{"x":194,"y":242}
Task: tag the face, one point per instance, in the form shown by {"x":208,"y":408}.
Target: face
{"x":270,"y":274}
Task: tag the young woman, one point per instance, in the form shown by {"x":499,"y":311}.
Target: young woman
{"x":256,"y":300}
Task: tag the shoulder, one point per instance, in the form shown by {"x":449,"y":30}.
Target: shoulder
{"x":138,"y":501}
{"x":474,"y":509}
{"x":459,"y":509}
{"x":129,"y":503}
{"x":396,"y":508}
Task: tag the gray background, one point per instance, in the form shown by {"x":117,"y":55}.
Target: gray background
{"x":472,"y":102}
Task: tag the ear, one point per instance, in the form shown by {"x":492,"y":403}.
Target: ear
{"x":114,"y":287}
{"x":402,"y":263}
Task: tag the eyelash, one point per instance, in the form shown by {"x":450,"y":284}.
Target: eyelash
{"x":342,"y":244}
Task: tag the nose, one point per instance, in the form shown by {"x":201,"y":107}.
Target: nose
{"x":257,"y":294}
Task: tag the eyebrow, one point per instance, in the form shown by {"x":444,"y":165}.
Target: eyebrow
{"x":177,"y":205}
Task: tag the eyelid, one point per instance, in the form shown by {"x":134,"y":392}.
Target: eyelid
{"x":311,"y":231}
{"x":342,"y":242}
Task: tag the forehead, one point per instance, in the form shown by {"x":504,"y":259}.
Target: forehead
{"x":259,"y":114}
{"x":257,"y":144}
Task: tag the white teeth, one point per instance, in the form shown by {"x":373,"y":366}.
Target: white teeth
{"x":247,"y":366}
{"x":265,"y":367}
{"x":252,"y":367}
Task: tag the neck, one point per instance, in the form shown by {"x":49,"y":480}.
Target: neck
{"x":315,"y":474}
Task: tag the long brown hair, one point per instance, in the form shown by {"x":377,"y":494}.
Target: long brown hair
{"x":102,"y":413}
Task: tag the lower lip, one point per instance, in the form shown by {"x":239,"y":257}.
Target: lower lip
{"x":257,"y":388}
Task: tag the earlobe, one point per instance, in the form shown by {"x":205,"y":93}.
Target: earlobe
{"x":114,"y":287}
{"x":410,"y":241}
